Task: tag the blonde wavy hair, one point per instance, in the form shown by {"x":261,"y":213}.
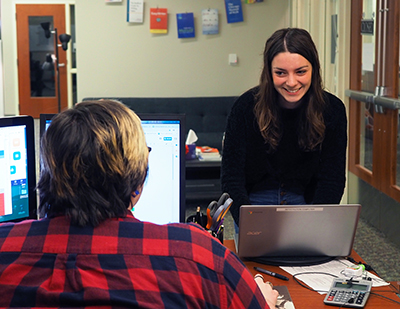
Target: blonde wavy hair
{"x":93,"y":156}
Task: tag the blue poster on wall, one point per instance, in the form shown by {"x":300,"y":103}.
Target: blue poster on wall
{"x":234,"y":13}
{"x":185,"y":23}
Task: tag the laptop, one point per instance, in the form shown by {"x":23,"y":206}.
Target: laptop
{"x":296,"y":234}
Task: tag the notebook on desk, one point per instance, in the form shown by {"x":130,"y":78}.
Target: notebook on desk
{"x":296,"y":234}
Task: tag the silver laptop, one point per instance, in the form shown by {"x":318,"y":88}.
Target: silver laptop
{"x":284,"y":234}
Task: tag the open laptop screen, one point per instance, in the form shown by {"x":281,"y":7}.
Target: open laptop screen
{"x":163,"y":197}
{"x":17,"y":169}
{"x":296,"y":234}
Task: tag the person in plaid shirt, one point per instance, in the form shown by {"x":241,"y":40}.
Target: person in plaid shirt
{"x":88,"y":249}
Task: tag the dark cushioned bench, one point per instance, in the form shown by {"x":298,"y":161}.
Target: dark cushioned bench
{"x":204,"y":115}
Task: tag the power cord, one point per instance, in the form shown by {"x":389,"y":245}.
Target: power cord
{"x":311,"y":273}
{"x":387,"y":298}
{"x":369,"y":268}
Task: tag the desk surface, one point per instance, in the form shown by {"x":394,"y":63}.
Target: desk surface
{"x":304,"y":298}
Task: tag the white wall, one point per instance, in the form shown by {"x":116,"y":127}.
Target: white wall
{"x":116,"y":58}
{"x":10,"y":89}
{"x":315,"y":16}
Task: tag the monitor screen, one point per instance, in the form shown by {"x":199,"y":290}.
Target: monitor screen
{"x":45,"y":120}
{"x":18,"y":200}
{"x":163,"y":197}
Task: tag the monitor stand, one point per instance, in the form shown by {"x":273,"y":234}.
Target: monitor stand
{"x":292,"y":260}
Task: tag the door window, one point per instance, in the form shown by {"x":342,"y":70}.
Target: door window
{"x":42,"y":57}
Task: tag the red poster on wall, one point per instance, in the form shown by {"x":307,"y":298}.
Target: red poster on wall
{"x":158,"y":20}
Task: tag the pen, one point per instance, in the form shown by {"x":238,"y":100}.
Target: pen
{"x":271,"y":273}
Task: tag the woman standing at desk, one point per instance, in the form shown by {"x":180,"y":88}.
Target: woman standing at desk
{"x":285,"y":140}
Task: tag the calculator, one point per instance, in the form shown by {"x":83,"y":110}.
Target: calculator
{"x":346,"y":293}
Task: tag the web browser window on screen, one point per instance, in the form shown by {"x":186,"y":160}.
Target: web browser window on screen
{"x":160,"y":200}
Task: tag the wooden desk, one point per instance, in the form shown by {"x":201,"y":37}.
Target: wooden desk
{"x":304,"y":298}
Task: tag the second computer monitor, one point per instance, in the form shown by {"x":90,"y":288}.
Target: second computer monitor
{"x":45,"y":120}
{"x":18,"y":200}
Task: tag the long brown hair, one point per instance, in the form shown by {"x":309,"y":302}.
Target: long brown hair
{"x":311,"y":123}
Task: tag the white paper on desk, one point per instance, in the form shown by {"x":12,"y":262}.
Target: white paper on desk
{"x":322,"y":282}
{"x":191,"y":137}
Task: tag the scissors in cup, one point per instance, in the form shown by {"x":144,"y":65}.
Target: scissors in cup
{"x":216,"y":212}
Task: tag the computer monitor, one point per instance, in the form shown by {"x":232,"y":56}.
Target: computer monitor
{"x":163,"y":197}
{"x":45,"y":120}
{"x":18,"y":199}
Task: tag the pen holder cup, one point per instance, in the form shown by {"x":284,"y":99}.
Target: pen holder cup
{"x":203,"y":222}
{"x":219,"y":235}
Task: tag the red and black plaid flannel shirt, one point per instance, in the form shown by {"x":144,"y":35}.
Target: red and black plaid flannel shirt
{"x":121,"y":263}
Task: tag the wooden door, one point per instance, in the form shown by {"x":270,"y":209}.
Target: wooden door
{"x":374,"y":130}
{"x":38,"y":86}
